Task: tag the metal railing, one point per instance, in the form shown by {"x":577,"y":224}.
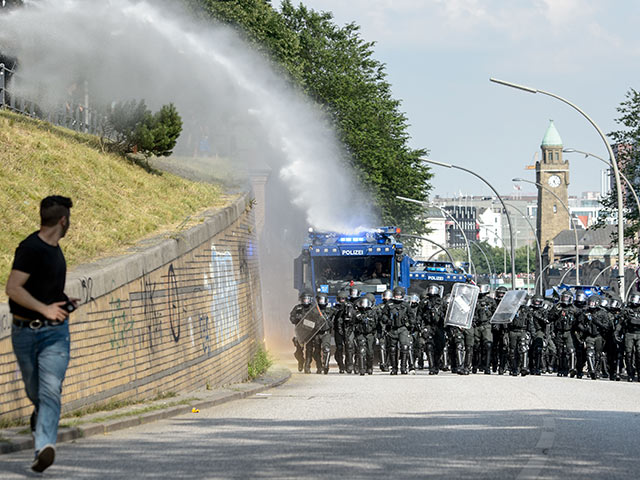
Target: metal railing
{"x":75,"y":116}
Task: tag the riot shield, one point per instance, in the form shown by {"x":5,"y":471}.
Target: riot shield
{"x":462,"y":305}
{"x":508,"y":306}
{"x":312,"y":322}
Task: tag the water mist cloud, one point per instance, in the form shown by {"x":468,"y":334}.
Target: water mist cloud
{"x":129,"y":49}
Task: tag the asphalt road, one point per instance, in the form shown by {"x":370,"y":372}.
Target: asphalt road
{"x":347,"y":426}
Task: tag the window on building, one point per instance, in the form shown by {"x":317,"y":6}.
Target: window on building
{"x":557,"y":156}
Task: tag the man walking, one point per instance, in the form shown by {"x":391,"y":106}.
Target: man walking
{"x":40,"y":331}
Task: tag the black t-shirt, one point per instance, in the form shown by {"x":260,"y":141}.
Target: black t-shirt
{"x":47,"y":269}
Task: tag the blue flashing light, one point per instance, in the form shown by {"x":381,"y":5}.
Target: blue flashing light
{"x":351,"y":240}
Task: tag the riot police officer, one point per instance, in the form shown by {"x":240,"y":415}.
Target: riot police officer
{"x":297,"y":313}
{"x":432,"y":319}
{"x":382,"y":340}
{"x":500,"y":333}
{"x":591,"y":321}
{"x":365,"y":330}
{"x":540,"y":324}
{"x":580,"y":303}
{"x":615,"y":347}
{"x":520,"y":332}
{"x":485,"y":307}
{"x":323,"y":337}
{"x":629,"y":327}
{"x":417,"y":342}
{"x":397,"y":321}
{"x":343,"y":332}
{"x":563,"y":316}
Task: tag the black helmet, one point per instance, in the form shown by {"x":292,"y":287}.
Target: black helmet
{"x":371,"y":297}
{"x":593,"y":302}
{"x":363,"y":303}
{"x":342,"y":296}
{"x":604,"y":302}
{"x":500,"y":292}
{"x":634,"y":300}
{"x":614,"y":305}
{"x":414,"y":299}
{"x":566,"y":298}
{"x":387,"y":295}
{"x":354,"y":293}
{"x":581,"y":299}
{"x":484,"y":288}
{"x":433,"y":290}
{"x":537,"y":301}
{"x":306,"y":297}
{"x":398,"y":293}
{"x":322,"y":299}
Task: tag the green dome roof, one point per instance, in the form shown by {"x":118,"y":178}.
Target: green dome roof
{"x":552,"y":137}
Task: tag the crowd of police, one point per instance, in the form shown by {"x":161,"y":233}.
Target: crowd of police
{"x":408,"y":333}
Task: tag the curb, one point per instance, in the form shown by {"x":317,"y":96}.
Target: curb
{"x":258,"y":385}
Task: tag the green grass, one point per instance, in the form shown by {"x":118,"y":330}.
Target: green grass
{"x":259,"y":364}
{"x":116,"y":202}
{"x":128,"y":413}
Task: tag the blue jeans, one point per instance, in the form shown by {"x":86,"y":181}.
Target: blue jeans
{"x":43,"y":356}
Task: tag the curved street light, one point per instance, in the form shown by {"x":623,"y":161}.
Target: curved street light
{"x":449,"y":165}
{"x":486,"y":259}
{"x":418,"y":237}
{"x":622,"y":175}
{"x":535,"y":236}
{"x":600,"y":273}
{"x":457,"y":224}
{"x":571,"y":226}
{"x":612,"y":162}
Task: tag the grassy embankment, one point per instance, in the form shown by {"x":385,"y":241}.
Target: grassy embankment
{"x":116,"y":203}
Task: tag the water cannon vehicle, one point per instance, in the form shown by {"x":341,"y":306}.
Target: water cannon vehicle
{"x":372,"y":261}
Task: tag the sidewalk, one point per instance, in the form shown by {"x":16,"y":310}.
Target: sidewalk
{"x":19,"y":438}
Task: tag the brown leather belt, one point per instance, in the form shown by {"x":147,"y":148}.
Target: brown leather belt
{"x":34,"y":324}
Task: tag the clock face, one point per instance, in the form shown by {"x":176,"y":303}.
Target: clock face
{"x":554,"y":181}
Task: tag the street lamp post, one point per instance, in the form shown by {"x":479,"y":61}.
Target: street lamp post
{"x":513,"y":262}
{"x":535,"y":235}
{"x":622,"y":175}
{"x":571,"y":225}
{"x":457,"y":224}
{"x":486,"y":259}
{"x":418,"y":237}
{"x":612,"y":162}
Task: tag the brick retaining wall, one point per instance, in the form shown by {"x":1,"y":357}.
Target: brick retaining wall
{"x":175,"y":315}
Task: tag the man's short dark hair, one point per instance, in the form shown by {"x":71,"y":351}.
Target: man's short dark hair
{"x":53,"y":208}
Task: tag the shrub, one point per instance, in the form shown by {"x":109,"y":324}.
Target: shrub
{"x":260,"y":363}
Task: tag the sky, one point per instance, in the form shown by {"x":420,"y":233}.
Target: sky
{"x":440,"y":54}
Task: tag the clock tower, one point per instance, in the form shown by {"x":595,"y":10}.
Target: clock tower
{"x":552,"y":172}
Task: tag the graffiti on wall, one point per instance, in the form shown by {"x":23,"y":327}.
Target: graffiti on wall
{"x":121,"y":326}
{"x":220,"y":280}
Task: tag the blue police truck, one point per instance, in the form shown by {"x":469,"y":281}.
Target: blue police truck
{"x":372,"y":261}
{"x":444,"y":274}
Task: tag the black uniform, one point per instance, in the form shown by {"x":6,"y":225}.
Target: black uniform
{"x":540,"y":326}
{"x":432,"y":324}
{"x":344,"y":335}
{"x":485,"y":307}
{"x":521,"y":329}
{"x":365,"y":328}
{"x":629,"y":329}
{"x":295,"y":316}
{"x":398,"y":323}
{"x":563,"y":318}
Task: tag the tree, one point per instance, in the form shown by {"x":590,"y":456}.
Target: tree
{"x":130,"y":126}
{"x":337,"y":68}
{"x":341,"y":73}
{"x":628,"y":158}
